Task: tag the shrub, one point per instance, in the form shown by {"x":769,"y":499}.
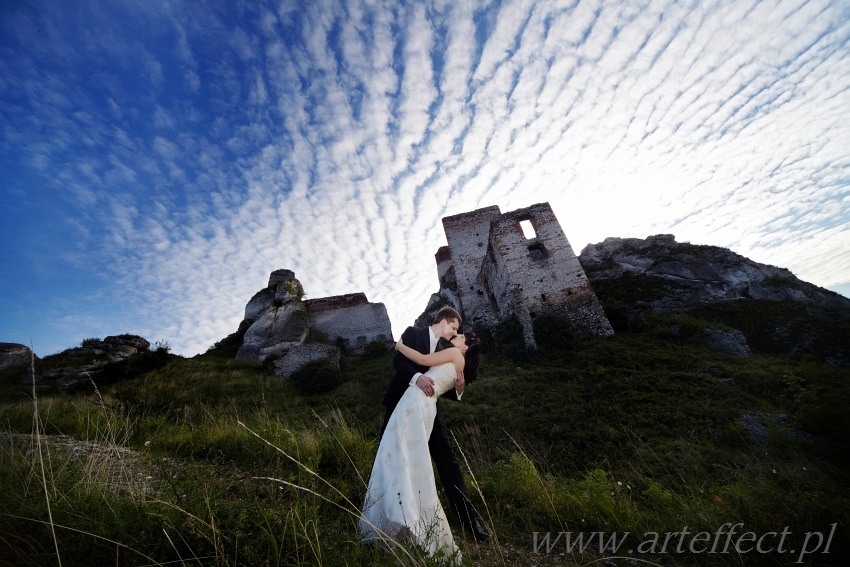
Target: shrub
{"x":229,"y":345}
{"x":317,"y":336}
{"x":267,"y":366}
{"x":316,"y":378}
{"x":553,"y":332}
{"x":135,"y":366}
{"x":508,"y":338}
{"x":679,"y":326}
{"x":294,"y":287}
{"x":485,"y":334}
{"x":375,"y":349}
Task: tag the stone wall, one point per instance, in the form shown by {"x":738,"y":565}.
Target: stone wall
{"x":444,"y":264}
{"x":336,"y":302}
{"x":354,"y":326}
{"x":541,"y":273}
{"x":467,"y":235}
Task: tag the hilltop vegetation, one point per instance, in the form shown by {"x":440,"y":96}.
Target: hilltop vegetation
{"x":642,"y":432}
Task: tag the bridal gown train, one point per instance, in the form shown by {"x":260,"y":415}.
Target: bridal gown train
{"x":401,"y":499}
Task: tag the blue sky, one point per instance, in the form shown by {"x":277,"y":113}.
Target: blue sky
{"x":159,"y":159}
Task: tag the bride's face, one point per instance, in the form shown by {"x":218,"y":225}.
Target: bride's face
{"x":460,"y":342}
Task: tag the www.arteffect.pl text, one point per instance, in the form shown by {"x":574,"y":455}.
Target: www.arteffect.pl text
{"x":727,"y":539}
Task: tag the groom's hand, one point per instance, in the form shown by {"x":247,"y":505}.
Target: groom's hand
{"x":426,"y":384}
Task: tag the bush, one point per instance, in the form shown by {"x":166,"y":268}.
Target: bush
{"x":485,"y":334}
{"x":508,"y":338}
{"x":229,"y":345}
{"x":267,"y":366}
{"x":134,"y":367}
{"x":316,"y":378}
{"x":294,"y":287}
{"x":317,"y":336}
{"x":553,"y":332}
{"x":375,"y":349}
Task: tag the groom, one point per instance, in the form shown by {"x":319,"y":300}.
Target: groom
{"x":407,"y":373}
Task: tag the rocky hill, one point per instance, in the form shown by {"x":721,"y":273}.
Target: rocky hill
{"x":94,"y":362}
{"x":774,"y":310}
{"x":285,"y":330}
{"x":730,"y":302}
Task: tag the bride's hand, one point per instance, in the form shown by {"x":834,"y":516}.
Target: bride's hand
{"x":460,"y":383}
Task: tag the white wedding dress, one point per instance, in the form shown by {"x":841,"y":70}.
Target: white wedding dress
{"x":401,"y":499}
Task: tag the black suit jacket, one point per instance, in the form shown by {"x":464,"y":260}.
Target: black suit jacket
{"x":416,"y":338}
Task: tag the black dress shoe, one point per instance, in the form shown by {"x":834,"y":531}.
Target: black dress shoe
{"x":479,"y":532}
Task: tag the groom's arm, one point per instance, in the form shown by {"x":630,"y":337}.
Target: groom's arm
{"x":404,"y":367}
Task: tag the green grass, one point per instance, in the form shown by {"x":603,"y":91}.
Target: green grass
{"x":634,"y":433}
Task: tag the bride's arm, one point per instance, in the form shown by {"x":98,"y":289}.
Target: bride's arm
{"x":439,"y":357}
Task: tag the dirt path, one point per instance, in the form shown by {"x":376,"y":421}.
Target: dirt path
{"x":119,"y":468}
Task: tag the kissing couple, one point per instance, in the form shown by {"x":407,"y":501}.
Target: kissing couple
{"x":401,"y":499}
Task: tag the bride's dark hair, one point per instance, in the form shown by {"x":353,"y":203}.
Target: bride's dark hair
{"x":473,"y":354}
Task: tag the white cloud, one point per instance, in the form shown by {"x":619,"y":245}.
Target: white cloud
{"x":331,"y":138}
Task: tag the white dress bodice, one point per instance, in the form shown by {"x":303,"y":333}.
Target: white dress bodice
{"x":444,"y":378}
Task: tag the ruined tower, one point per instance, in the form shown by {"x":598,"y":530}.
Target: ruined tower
{"x":499,"y":269}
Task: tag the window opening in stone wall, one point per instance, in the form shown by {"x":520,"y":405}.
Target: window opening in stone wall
{"x":537,"y":252}
{"x":527,"y":229}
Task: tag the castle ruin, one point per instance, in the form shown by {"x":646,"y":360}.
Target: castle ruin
{"x":515,"y":264}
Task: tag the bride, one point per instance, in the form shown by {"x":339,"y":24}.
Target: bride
{"x":401,"y":499}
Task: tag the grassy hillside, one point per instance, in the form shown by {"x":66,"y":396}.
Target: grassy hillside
{"x":637,"y":433}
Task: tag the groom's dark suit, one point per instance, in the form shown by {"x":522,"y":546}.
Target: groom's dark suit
{"x":442,"y":454}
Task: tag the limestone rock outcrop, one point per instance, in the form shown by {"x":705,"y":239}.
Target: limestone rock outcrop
{"x":279,"y":322}
{"x":118,"y":347}
{"x":277,"y":318}
{"x":300,"y":355}
{"x":695,"y":274}
{"x":731,"y":341}
{"x":79,"y":366}
{"x":767,"y":308}
{"x":15,"y":358}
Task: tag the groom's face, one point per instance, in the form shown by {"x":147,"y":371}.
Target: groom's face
{"x":448,"y":328}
